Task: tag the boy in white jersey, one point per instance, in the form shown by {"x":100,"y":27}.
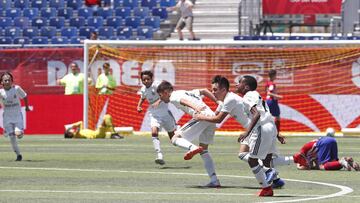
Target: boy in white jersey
{"x":191,"y":102}
{"x":236,"y":107}
{"x":13,"y":123}
{"x":160,"y":116}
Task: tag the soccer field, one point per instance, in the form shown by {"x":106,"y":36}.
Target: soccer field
{"x":59,"y":170}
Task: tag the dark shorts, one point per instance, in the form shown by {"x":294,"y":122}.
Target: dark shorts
{"x":326,"y":150}
{"x":274,"y":107}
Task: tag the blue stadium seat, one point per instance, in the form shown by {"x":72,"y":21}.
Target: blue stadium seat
{"x":77,"y":21}
{"x":141,"y":12}
{"x":114,"y":22}
{"x":149,"y":3}
{"x":96,"y":21}
{"x":130,"y":3}
{"x":118,"y":38}
{"x":161,"y":12}
{"x":239,"y":37}
{"x":106,"y":31}
{"x":22,"y":22}
{"x":153,"y":22}
{"x":4,"y":4}
{"x":77,"y":40}
{"x":21,"y":40}
{"x":297,"y":38}
{"x":85,"y":12}
{"x":75,"y":4}
{"x":336,"y":38}
{"x":21,"y":4}
{"x":5,"y":22}
{"x":353,"y":38}
{"x":123,"y":12}
{"x":48,"y":12}
{"x":145,"y":31}
{"x":57,"y":22}
{"x":277,"y":38}
{"x":40,"y":40}
{"x":125,"y":32}
{"x":69,"y":32}
{"x":65,"y":12}
{"x":48,"y":31}
{"x":13,"y":12}
{"x":137,"y":38}
{"x":5,"y":40}
{"x":108,"y":2}
{"x":12,"y":32}
{"x":167,"y":3}
{"x":59,"y":40}
{"x":316,"y":38}
{"x":57,"y":3}
{"x":31,"y":12}
{"x":85,"y":31}
{"x":38,"y":3}
{"x":31,"y":32}
{"x":105,"y":12}
{"x":39,"y":22}
{"x":133,"y":22}
{"x":118,"y":3}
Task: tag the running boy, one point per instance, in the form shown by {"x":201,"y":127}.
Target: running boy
{"x":191,"y":102}
{"x":13,"y":122}
{"x":160,"y":116}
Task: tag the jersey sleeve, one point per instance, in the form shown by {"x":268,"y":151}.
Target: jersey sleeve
{"x":228,"y":105}
{"x":175,"y":97}
{"x":141,"y":92}
{"x":22,"y":94}
{"x":251,"y":99}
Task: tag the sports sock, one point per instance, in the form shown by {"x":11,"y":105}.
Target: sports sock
{"x":156,"y":143}
{"x":282,"y":160}
{"x":14,"y":144}
{"x":181,"y":142}
{"x":244,"y":156}
{"x":260,"y":175}
{"x":333,"y":165}
{"x":209,"y":165}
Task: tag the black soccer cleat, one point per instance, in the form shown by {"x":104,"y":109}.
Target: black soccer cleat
{"x":19,"y":157}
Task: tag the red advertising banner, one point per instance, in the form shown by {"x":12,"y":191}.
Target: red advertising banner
{"x":283,"y":7}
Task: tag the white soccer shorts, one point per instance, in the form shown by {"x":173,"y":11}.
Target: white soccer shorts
{"x":262,"y":141}
{"x":167,"y":121}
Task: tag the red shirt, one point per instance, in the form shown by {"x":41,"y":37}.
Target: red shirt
{"x":92,"y":2}
{"x":270,"y":88}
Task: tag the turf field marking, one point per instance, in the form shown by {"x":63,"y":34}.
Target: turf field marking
{"x":343,"y":189}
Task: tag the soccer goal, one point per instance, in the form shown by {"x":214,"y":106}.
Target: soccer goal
{"x":319,"y":80}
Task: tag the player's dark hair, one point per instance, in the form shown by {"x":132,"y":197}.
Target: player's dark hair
{"x":146,"y":72}
{"x":106,"y":65}
{"x":250,"y":81}
{"x":6,"y":73}
{"x":272,"y":73}
{"x":67,"y":135}
{"x":222,"y":82}
{"x":164,"y":85}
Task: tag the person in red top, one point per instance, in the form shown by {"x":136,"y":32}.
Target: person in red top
{"x":92,"y":3}
{"x":272,"y":98}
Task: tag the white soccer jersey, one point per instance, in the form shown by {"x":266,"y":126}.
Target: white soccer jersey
{"x":192,"y":96}
{"x":151,"y":95}
{"x":234,"y":105}
{"x":253,"y":98}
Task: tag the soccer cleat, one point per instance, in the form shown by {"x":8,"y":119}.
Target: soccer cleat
{"x":19,"y":136}
{"x":116,"y":136}
{"x":352,"y":163}
{"x":213,"y":184}
{"x":270,"y":175}
{"x":345,"y":163}
{"x":266,"y":192}
{"x":19,"y":157}
{"x":278,"y":183}
{"x":159,"y":161}
{"x":189,"y":155}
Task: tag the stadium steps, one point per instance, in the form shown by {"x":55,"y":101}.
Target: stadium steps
{"x":213,"y":19}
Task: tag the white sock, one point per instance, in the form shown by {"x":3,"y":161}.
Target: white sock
{"x":181,"y":142}
{"x":282,"y":160}
{"x":14,"y":144}
{"x":244,"y":156}
{"x":156,"y":143}
{"x":260,"y":176}
{"x":209,"y":165}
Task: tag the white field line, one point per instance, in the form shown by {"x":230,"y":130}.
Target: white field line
{"x":343,"y":189}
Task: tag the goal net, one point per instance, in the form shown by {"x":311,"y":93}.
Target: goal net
{"x":319,"y":80}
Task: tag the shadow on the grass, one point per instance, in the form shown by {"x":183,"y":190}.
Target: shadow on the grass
{"x":175,"y":167}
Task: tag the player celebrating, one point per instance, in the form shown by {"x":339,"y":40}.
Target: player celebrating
{"x":13,"y":120}
{"x":160,"y":116}
{"x":190,"y":102}
{"x":322,"y":154}
{"x":76,"y":130}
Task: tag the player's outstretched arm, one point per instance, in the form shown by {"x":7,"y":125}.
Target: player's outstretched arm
{"x":218,"y":118}
{"x":141,"y":101}
{"x":208,"y":94}
{"x":26,"y":102}
{"x":254,"y":120}
{"x":190,"y":104}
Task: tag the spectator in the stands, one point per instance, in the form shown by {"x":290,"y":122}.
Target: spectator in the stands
{"x":93,"y":35}
{"x":186,"y":19}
